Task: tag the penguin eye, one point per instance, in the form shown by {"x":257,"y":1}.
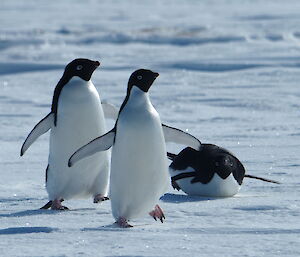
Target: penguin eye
{"x":139,"y":77}
{"x":79,"y":67}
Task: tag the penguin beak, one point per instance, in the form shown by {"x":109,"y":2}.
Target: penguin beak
{"x":97,"y":64}
{"x":155,"y":74}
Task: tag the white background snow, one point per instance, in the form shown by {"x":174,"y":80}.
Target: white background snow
{"x":229,"y":74}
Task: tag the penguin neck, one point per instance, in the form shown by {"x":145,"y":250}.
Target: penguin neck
{"x":136,"y":97}
{"x":57,"y":91}
{"x":78,"y":79}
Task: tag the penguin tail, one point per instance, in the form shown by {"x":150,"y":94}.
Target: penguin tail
{"x":46,"y":206}
{"x":263,"y":179}
{"x":171,"y":156}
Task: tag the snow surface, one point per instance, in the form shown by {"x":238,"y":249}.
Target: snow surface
{"x":229,"y":74}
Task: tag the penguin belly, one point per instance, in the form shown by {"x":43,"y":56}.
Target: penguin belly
{"x":139,"y":171}
{"x":216,"y":187}
{"x":80,"y":118}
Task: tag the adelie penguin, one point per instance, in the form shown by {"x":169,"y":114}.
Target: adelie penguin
{"x":139,"y":169}
{"x":76,"y":117}
{"x":211,"y":171}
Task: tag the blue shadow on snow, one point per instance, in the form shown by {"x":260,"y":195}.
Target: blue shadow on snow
{"x":177,"y":198}
{"x":26,"y":230}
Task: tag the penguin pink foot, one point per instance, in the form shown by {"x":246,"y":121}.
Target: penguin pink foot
{"x":122,"y":222}
{"x":157,"y":213}
{"x":100,"y":198}
{"x":56,"y":205}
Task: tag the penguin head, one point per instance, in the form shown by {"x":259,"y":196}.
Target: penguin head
{"x":82,"y":68}
{"x":143,"y":79}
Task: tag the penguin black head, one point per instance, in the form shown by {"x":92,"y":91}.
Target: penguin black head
{"x":143,"y":79}
{"x":82,"y":68}
{"x":206,"y":162}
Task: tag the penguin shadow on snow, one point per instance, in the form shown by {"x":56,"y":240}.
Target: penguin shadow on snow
{"x":26,"y":230}
{"x":114,"y":227}
{"x":35,"y":212}
{"x":43,"y":212}
{"x":181,"y":198}
{"x":28,"y":213}
{"x":110,"y":227}
{"x":128,"y":256}
{"x":14,"y":202}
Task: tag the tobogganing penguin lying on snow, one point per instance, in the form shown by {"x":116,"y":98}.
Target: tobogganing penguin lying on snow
{"x":210,"y":171}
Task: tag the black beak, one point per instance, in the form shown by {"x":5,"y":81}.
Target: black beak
{"x":97,"y":64}
{"x":155,"y":74}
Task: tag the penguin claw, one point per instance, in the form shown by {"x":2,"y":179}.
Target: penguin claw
{"x":61,"y":208}
{"x":100,"y":198}
{"x":56,"y":205}
{"x":157,"y":213}
{"x":122,"y":222}
{"x":49,"y":204}
{"x":64,"y":208}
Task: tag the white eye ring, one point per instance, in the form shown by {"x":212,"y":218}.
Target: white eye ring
{"x":79,"y":67}
{"x":139,"y":77}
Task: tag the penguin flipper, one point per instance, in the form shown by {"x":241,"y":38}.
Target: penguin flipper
{"x":39,"y":129}
{"x":110,"y":111}
{"x":171,"y":156}
{"x":101,"y":143}
{"x":175,"y":185}
{"x":180,"y":137}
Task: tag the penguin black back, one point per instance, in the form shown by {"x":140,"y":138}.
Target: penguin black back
{"x":82,"y":68}
{"x":209,"y":160}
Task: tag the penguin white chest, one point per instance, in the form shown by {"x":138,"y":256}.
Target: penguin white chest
{"x":216,"y":187}
{"x":139,"y":173}
{"x":80,"y":118}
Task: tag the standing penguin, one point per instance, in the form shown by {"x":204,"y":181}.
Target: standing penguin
{"x":76,"y":117}
{"x":210,"y":171}
{"x":139,"y":171}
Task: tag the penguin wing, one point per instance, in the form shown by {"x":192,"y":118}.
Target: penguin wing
{"x":110,"y":111}
{"x":102,"y":143}
{"x":178,"y":136}
{"x":39,"y":129}
{"x":171,"y":156}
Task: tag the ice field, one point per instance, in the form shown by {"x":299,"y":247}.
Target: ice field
{"x":229,"y":75}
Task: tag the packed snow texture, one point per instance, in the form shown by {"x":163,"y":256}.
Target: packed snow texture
{"x":229,"y":74}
